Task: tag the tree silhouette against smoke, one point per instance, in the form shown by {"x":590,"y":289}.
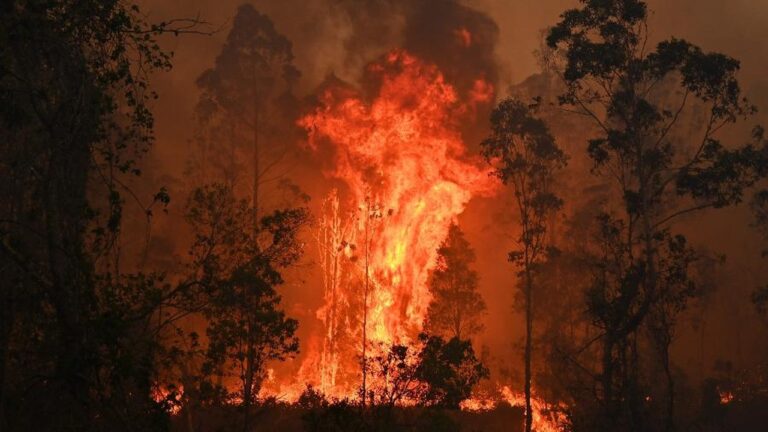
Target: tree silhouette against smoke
{"x":247,"y":90}
{"x":526,"y":156}
{"x":449,"y":370}
{"x":636,"y":97}
{"x":456,"y":308}
{"x":245,"y":326}
{"x":78,"y":338}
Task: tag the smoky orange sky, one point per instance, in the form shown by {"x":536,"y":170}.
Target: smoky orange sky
{"x":341,"y":36}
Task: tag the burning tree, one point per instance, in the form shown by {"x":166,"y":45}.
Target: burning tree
{"x":456,"y":307}
{"x":525,"y":155}
{"x":336,"y":246}
{"x":449,"y":369}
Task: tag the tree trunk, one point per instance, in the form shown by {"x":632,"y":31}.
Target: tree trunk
{"x":248,"y":382}
{"x":255,"y":172}
{"x":250,"y":351}
{"x":636,"y":399}
{"x":670,"y":421}
{"x":6,"y":329}
{"x":71,"y":291}
{"x":528,"y":346}
{"x":365,"y":306}
{"x":607,"y":379}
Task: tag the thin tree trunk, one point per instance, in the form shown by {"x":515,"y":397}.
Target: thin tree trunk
{"x":607,"y":379}
{"x":333,"y":312}
{"x":65,"y":198}
{"x":365,"y":304}
{"x":190,"y":396}
{"x":250,"y":354}
{"x":248,"y":382}
{"x":6,"y":329}
{"x":528,"y":346}
{"x":636,"y":399}
{"x":670,"y":423}
{"x":255,"y":172}
{"x":664,"y":340}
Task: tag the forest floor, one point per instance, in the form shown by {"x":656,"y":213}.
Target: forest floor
{"x":292,"y":418}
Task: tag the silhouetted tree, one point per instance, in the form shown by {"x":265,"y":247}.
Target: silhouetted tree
{"x":525,"y":155}
{"x":395,"y":367}
{"x":449,"y":370}
{"x":245,"y":328}
{"x":74,"y":121}
{"x":638,"y":98}
{"x":565,"y":335}
{"x":246,"y":100}
{"x":372,"y":212}
{"x":246,"y":97}
{"x":456,"y":307}
{"x":760,"y":210}
{"x":759,"y":207}
{"x":431,"y":372}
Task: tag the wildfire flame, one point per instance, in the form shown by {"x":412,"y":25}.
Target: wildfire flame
{"x":403,"y":161}
{"x":726,"y":397}
{"x":464,"y":36}
{"x":545,"y":417}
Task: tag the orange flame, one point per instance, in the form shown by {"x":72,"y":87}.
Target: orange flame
{"x":545,"y":417}
{"x":403,"y":161}
{"x":726,"y":397}
{"x":464,"y":36}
